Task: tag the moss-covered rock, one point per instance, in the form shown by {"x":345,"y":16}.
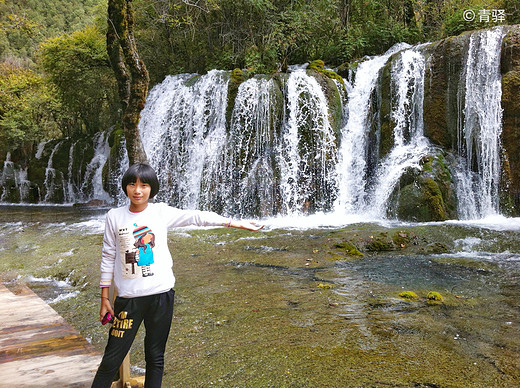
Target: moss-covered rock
{"x":333,"y":96}
{"x":379,"y":243}
{"x":441,"y":91}
{"x":348,"y":249}
{"x":408,"y":295}
{"x":386,"y":125}
{"x":236,"y":77}
{"x":427,"y":194}
{"x":319,"y":66}
{"x":434,"y":297}
{"x":403,"y":238}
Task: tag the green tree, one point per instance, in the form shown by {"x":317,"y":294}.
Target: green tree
{"x":78,"y":65}
{"x":24,"y":24}
{"x":28,"y":108}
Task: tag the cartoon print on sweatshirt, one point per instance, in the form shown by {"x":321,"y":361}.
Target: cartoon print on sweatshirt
{"x":144,"y":242}
{"x":136,"y":244}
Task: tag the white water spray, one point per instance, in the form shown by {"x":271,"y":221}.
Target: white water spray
{"x":249,"y":182}
{"x":410,"y":145}
{"x":183,"y":131}
{"x":307,"y":152}
{"x":352,"y":165}
{"x":479,"y":135}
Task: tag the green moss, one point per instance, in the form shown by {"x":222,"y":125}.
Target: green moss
{"x":434,"y":199}
{"x":318,"y":66}
{"x":402,"y":238}
{"x":408,"y":295}
{"x":237,"y":76}
{"x":349,"y":249}
{"x":427,"y":194}
{"x":386,"y":134}
{"x":325,"y":286}
{"x":434,"y":297}
{"x":115,"y":136}
{"x":379,"y":244}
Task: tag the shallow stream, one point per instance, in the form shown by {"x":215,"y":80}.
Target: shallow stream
{"x":301,"y":307}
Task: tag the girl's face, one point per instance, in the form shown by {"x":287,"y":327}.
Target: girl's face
{"x":138,"y":193}
{"x":147,"y":238}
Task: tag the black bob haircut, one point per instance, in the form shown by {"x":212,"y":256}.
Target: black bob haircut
{"x":145,"y":174}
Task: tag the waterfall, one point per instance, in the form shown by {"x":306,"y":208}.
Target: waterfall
{"x":307,"y":152}
{"x":249,"y":182}
{"x":92,"y":182}
{"x":16,"y":176}
{"x":299,"y":143}
{"x":53,"y":178}
{"x":479,"y":132}
{"x":70,"y":190}
{"x":410,"y":145}
{"x":352,"y":165}
{"x":259,"y":163}
{"x":183,"y":128}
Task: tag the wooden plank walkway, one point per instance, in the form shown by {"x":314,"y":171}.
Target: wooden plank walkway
{"x":38,"y":348}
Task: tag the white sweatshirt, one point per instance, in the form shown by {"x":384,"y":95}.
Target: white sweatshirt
{"x":135,"y":247}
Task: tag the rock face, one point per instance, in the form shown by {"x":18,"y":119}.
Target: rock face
{"x":441,"y":110}
{"x":510,"y":68}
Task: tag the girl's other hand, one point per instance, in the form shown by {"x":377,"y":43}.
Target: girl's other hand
{"x":106,"y":306}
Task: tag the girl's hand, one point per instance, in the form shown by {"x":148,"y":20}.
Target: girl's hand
{"x":106,"y":306}
{"x":253,"y":226}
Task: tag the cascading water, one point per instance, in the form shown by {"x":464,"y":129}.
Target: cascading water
{"x":410,"y":145}
{"x":16,"y":175}
{"x":91,"y":186}
{"x":479,"y":132}
{"x":70,"y":172}
{"x":307,"y":152}
{"x":249,"y":161}
{"x":53,"y":178}
{"x":183,"y":128}
{"x":352,"y":165}
{"x":258,"y":165}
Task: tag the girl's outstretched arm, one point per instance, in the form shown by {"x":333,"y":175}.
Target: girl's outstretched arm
{"x":248,"y":225}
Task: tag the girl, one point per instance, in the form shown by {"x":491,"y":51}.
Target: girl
{"x":137,"y":234}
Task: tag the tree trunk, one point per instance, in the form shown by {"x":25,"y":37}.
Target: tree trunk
{"x":130,"y":72}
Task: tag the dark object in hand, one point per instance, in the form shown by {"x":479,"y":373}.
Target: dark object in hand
{"x":107,"y":318}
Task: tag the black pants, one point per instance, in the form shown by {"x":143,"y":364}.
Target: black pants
{"x":156,"y":311}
